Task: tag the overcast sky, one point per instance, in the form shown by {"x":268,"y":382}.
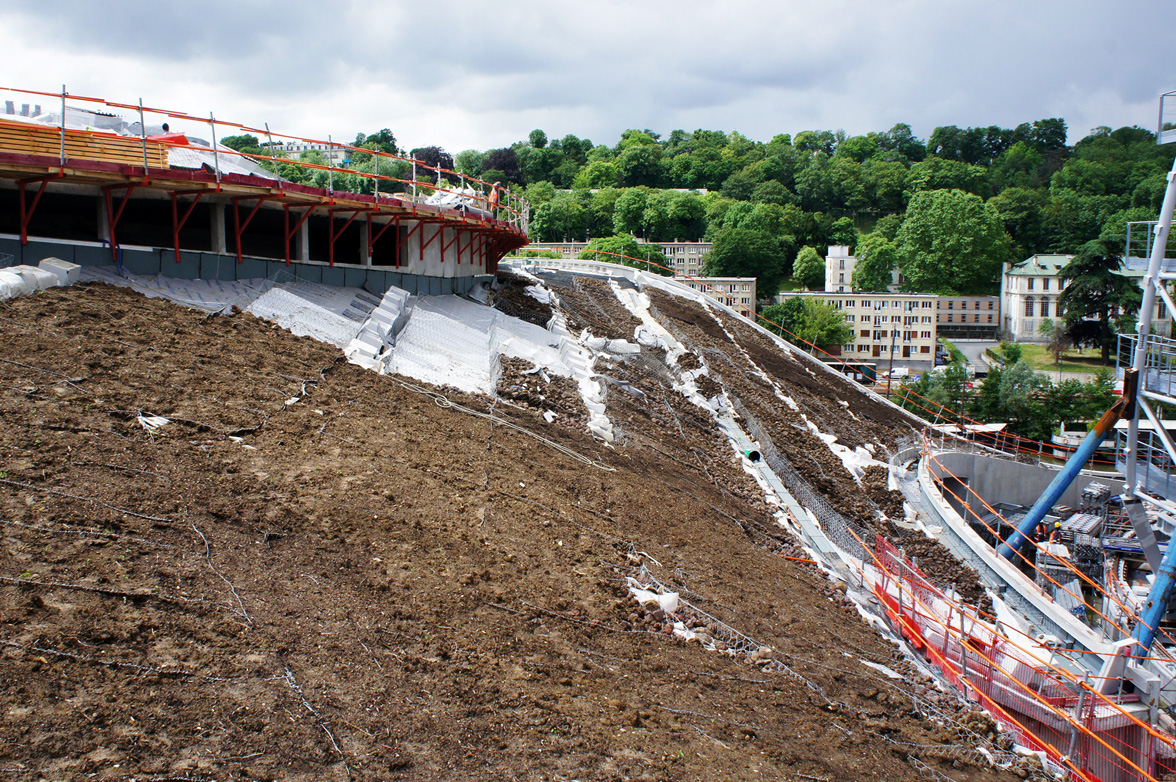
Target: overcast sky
{"x":483,"y":74}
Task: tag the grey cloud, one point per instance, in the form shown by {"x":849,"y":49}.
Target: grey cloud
{"x":758,"y":66}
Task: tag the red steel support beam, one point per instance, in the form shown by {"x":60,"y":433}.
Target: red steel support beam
{"x":26,"y":214}
{"x":460,"y":249}
{"x":177,"y":221}
{"x":400,"y":243}
{"x":238,"y":226}
{"x":335,"y":235}
{"x":289,"y":232}
{"x":457,"y":232}
{"x":374,"y":237}
{"x":440,"y":228}
{"x":113,"y":216}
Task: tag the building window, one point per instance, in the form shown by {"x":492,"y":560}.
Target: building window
{"x":1045,"y":308}
{"x":1029,"y":306}
{"x":951,"y":305}
{"x":926,"y":305}
{"x":990,"y":317}
{"x":1029,"y":284}
{"x":990,"y":304}
{"x":925,"y":349}
{"x":949,"y":317}
{"x":865,"y":333}
{"x":1045,"y":284}
{"x":841,"y":264}
{"x":841,"y":277}
{"x":925,"y":335}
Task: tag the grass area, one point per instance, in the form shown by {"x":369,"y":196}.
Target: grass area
{"x":957,"y":356}
{"x":1073,"y":360}
{"x":791,"y":285}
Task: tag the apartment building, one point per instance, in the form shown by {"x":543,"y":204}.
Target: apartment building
{"x":336,"y":155}
{"x":685,"y":258}
{"x":901,"y":326}
{"x":968,"y":317}
{"x":737,"y":293}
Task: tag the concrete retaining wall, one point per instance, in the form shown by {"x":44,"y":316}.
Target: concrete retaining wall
{"x":214,"y":266}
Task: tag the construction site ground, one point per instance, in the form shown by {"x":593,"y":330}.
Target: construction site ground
{"x":314,"y":572}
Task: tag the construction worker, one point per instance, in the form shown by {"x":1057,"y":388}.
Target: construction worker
{"x":1055,"y":534}
{"x":1042,"y":532}
{"x":494,"y":199}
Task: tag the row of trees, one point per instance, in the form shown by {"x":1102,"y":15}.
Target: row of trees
{"x":1031,"y":404}
{"x":947,"y":211}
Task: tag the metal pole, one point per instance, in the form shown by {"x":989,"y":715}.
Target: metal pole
{"x":215,"y":153}
{"x":330,"y":165}
{"x":273,"y":157}
{"x":901,"y":563}
{"x":963,"y":655}
{"x":1074,"y":728}
{"x":1138,"y":361}
{"x":62,"y":156}
{"x":890,"y":372}
{"x":143,"y":135}
{"x":414,"y":189}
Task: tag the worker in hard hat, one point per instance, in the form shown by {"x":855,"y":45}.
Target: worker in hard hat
{"x":1055,"y":534}
{"x":1041,"y":534}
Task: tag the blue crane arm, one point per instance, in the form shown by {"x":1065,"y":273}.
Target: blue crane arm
{"x":1124,"y":408}
{"x":1157,"y":601}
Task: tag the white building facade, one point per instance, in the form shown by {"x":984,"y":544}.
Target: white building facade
{"x":1029,"y":294}
{"x":839,"y":266}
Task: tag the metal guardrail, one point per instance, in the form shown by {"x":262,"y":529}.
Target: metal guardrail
{"x":84,"y":127}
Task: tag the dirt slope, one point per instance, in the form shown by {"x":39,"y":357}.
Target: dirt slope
{"x":314,"y":572}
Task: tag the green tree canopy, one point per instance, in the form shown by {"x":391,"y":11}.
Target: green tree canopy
{"x":951,"y":242}
{"x":877,"y":259}
{"x":744,"y":252}
{"x":809,"y":268}
{"x":246,"y":142}
{"x":628,"y":251}
{"x":563,"y":217}
{"x":785,"y":317}
{"x":1098,"y":300}
{"x":823,"y":325}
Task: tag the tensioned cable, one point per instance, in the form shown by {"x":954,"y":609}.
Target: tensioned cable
{"x":444,"y":402}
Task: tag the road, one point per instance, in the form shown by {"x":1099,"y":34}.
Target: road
{"x":973,"y":350}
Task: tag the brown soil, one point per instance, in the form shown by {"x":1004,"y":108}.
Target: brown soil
{"x":314,"y":572}
{"x":590,"y":303}
{"x":510,"y":297}
{"x":522,"y":383}
{"x":738,"y":353}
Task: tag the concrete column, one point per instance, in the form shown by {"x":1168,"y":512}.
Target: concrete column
{"x":364,"y":233}
{"x":103,"y":221}
{"x":217,"y":228}
{"x":302,"y":242}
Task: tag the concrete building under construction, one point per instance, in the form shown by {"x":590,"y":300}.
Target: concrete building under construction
{"x":153,"y":191}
